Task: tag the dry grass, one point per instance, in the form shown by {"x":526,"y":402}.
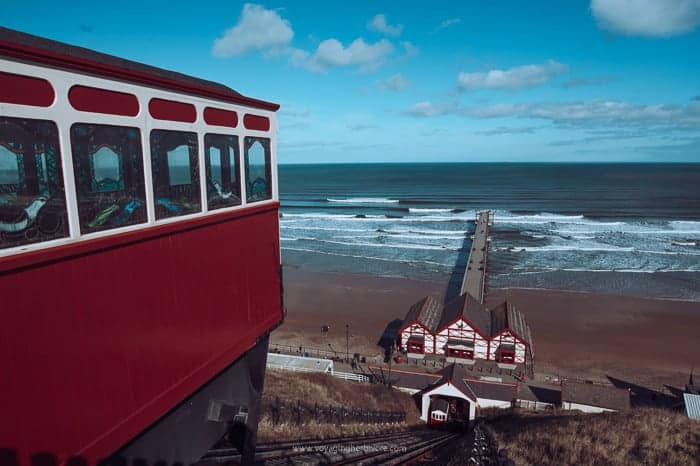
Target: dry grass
{"x":268,"y":432}
{"x":640,"y":436}
{"x":329,"y":391}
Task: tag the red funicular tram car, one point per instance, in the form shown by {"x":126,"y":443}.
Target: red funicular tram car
{"x":139,"y":258}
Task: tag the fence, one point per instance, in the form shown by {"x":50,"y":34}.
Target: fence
{"x":351,"y":376}
{"x":485,"y":448}
{"x":307,"y":351}
{"x":296,"y":412}
{"x":536,"y":405}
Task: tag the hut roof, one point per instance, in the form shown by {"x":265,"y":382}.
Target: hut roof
{"x":507,"y":316}
{"x":469,"y":308}
{"x":602,"y":396}
{"x":427,"y":311}
{"x":493,"y":390}
{"x":455,"y":375}
{"x":406,"y":379}
{"x":541,"y":394}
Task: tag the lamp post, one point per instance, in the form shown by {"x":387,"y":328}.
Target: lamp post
{"x":347,"y":343}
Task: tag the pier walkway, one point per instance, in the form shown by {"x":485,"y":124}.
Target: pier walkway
{"x":475,"y":275}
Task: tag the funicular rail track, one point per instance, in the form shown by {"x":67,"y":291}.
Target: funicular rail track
{"x":391,"y":449}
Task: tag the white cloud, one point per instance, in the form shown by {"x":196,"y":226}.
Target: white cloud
{"x":394,"y":83}
{"x":613,"y":113}
{"x":503,"y":130}
{"x":361,"y":127}
{"x":603,"y":114}
{"x":447,"y":23}
{"x":257,"y":29}
{"x":379,"y":24}
{"x":651,"y":18}
{"x":428,"y":109}
{"x":409,"y":50}
{"x":513,"y":78}
{"x":332,"y":53}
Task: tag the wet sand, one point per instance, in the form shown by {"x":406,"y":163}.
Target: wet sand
{"x":580,"y":334}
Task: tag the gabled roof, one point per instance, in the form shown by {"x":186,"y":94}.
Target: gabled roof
{"x":537,"y":393}
{"x":602,"y":396}
{"x":469,"y":308}
{"x":493,"y":390}
{"x":507,"y":316}
{"x":455,"y":375}
{"x":427,"y":312}
{"x":38,"y":49}
{"x":407,"y":379}
{"x":472,"y":388}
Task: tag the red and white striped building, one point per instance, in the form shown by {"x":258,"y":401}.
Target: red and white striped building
{"x":464,"y":331}
{"x":418,"y":330}
{"x":461,"y":336}
{"x":511,"y":341}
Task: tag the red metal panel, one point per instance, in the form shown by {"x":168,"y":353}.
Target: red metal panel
{"x":90,"y":99}
{"x":104,"y":337}
{"x":162,"y":109}
{"x":256,"y":122}
{"x":219,"y":117}
{"x":62,"y":60}
{"x":25,"y":90}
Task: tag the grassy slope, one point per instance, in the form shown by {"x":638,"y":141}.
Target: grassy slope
{"x":641,"y":436}
{"x":326,"y":390}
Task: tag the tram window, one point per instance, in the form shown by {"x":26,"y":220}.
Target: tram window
{"x":175,"y":166}
{"x":32,"y":199}
{"x":108,"y":165}
{"x":258,"y":169}
{"x":222,"y":168}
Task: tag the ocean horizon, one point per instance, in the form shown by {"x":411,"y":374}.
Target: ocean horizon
{"x":619,"y":228}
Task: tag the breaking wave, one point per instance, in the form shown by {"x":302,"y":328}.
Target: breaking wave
{"x":365,"y":200}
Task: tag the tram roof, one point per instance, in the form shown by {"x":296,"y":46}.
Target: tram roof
{"x":19,"y":45}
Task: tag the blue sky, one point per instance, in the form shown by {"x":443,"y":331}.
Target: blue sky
{"x":595,"y":80}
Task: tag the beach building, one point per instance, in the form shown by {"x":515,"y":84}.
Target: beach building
{"x":453,"y":387}
{"x":462,"y":335}
{"x":418,"y":330}
{"x":465,"y":331}
{"x":407,"y":381}
{"x":511,"y":341}
{"x":450,"y":389}
{"x":594,"y":398}
{"x":537,"y":397}
{"x":491,"y":394}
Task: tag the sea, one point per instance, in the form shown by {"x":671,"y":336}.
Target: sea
{"x":631,"y":229}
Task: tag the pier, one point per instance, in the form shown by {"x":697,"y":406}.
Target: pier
{"x":475,"y":275}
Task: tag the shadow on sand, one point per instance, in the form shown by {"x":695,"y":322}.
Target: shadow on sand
{"x":454,"y":284}
{"x":390,"y":337}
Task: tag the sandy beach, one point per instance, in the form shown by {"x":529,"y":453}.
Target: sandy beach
{"x":576,"y":333}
